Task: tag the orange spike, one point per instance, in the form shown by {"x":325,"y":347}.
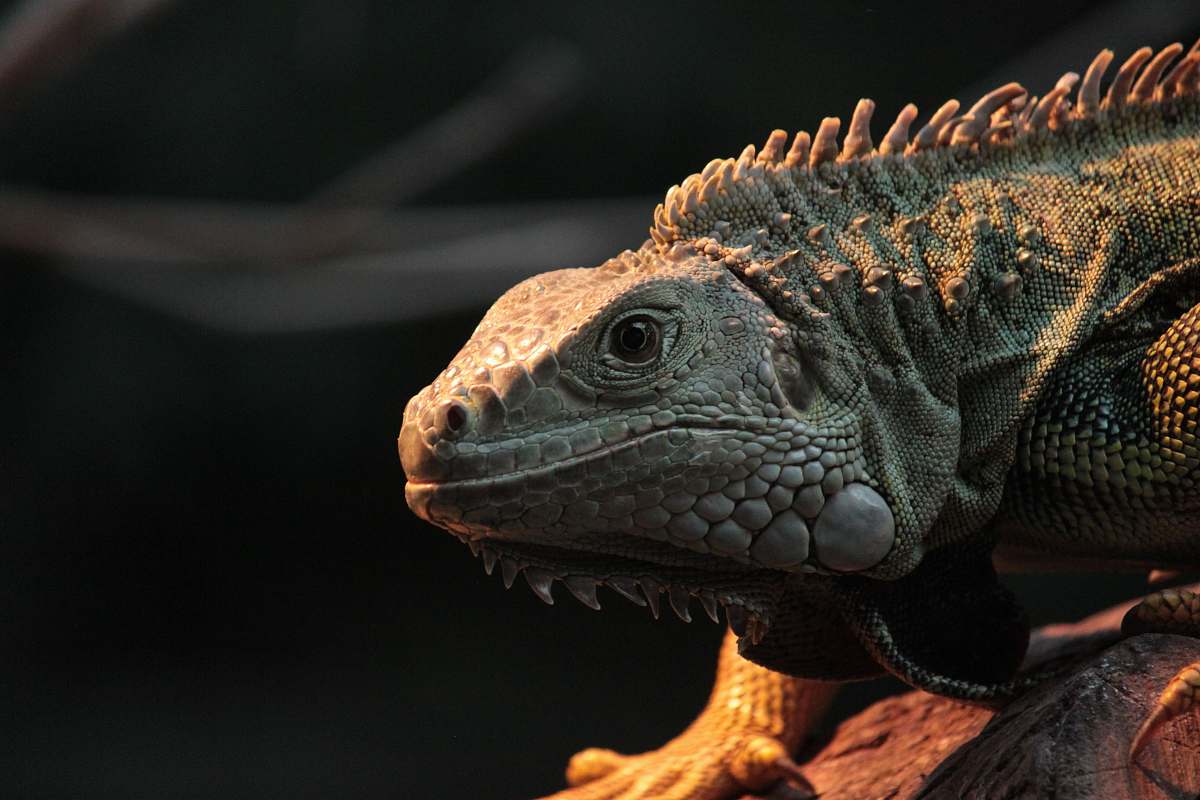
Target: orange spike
{"x":824,"y":146}
{"x":1175,"y":76}
{"x":772,"y":149}
{"x":1118,"y":93}
{"x":858,"y":135}
{"x":1144,"y":88}
{"x":896,"y":139}
{"x":1089,"y":91}
{"x":798,"y":153}
{"x":927,"y":136}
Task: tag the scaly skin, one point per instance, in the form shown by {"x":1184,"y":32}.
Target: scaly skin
{"x":832,"y":382}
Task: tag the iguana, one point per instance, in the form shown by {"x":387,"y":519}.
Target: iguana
{"x":832,"y":385}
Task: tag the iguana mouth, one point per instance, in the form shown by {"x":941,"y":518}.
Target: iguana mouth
{"x":747,"y":597}
{"x":555,"y":467}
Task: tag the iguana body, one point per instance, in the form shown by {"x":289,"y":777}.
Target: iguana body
{"x":832,"y":382}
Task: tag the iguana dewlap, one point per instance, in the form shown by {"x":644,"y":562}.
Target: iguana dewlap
{"x":832,"y":382}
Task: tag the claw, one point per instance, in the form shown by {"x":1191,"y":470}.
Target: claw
{"x":762,"y":761}
{"x":1154,"y":720}
{"x":785,"y":790}
{"x":802,"y":788}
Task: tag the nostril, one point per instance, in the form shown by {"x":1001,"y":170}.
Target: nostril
{"x":456,"y":417}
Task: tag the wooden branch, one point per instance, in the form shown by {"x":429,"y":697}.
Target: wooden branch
{"x":523,"y":94}
{"x":171,"y":234}
{"x":1066,"y":739}
{"x":444,"y":261}
{"x":41,"y":39}
{"x":275,"y":268}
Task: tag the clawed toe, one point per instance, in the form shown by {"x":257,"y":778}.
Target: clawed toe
{"x":785,"y":790}
{"x":1181,"y":695}
{"x":763,"y":761}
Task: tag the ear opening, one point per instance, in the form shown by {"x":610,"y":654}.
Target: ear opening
{"x":797,"y":387}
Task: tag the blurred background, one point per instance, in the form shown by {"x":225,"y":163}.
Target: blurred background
{"x":237,"y":236}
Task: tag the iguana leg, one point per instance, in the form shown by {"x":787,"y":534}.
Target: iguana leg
{"x":741,"y":742}
{"x":1169,"y":374}
{"x":1108,"y":465}
{"x":1167,"y":611}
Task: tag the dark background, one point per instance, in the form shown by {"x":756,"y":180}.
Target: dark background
{"x":210,"y":584}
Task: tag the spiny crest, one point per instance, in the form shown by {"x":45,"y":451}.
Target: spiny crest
{"x":1002,"y":116}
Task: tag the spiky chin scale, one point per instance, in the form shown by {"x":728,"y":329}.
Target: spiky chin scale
{"x":748,"y":597}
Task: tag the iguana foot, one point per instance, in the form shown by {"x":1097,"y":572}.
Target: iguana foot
{"x":754,"y":763}
{"x":697,"y":764}
{"x":741,"y":742}
{"x":1167,"y":611}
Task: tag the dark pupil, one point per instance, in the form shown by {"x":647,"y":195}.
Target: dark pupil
{"x":635,"y":340}
{"x":634,"y":337}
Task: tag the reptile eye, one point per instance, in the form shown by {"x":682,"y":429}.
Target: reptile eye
{"x":636,"y":340}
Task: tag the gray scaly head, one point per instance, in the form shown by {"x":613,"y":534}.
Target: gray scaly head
{"x":645,"y":424}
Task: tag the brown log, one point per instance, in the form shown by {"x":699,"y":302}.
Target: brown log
{"x":1068,"y":739}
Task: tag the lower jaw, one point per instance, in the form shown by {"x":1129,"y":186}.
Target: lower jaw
{"x":657,"y":574}
{"x":746,"y":596}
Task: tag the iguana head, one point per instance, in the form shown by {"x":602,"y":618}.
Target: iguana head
{"x":650,"y":421}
